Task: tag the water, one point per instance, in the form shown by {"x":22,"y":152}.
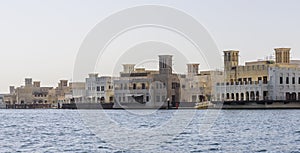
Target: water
{"x":70,"y":131}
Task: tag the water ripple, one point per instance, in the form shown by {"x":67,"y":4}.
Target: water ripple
{"x":233,"y":131}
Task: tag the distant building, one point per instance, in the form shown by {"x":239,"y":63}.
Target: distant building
{"x":2,"y":103}
{"x":154,"y":88}
{"x":99,"y":89}
{"x":10,"y":98}
{"x":32,"y":93}
{"x":78,"y":92}
{"x":260,"y":80}
{"x":133,"y":85}
{"x":196,"y":86}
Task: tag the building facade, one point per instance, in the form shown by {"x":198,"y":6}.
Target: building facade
{"x":260,"y":80}
{"x":153,"y":88}
{"x":32,"y":93}
{"x":99,"y":89}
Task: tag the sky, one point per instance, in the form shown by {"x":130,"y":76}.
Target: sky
{"x":40,"y":39}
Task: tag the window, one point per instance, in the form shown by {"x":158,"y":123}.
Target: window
{"x":287,"y":80}
{"x":102,"y":88}
{"x":174,"y":85}
{"x":134,"y":86}
{"x":143,"y":86}
{"x":293,"y":80}
{"x":265,"y":79}
{"x":98,"y":88}
{"x":259,"y":79}
{"x":250,"y":79}
{"x":157,"y":98}
{"x":281,"y":80}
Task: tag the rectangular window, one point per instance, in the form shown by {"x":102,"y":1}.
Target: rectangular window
{"x":134,"y":86}
{"x":293,"y":80}
{"x":157,"y":98}
{"x":265,"y":79}
{"x":250,"y":79}
{"x":281,"y":80}
{"x":287,"y":80}
{"x":102,"y":88}
{"x":98,"y":88}
{"x":259,"y":79}
{"x":299,"y":80}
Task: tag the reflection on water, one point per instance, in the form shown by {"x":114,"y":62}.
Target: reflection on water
{"x":233,"y":131}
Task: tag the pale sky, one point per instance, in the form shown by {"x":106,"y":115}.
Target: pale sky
{"x":40,"y":39}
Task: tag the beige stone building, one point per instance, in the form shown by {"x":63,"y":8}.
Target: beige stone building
{"x":277,"y":79}
{"x":32,"y":93}
{"x":10,"y":98}
{"x":197,"y":86}
{"x":153,"y":88}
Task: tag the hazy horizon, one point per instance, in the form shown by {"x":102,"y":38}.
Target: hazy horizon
{"x":40,"y":39}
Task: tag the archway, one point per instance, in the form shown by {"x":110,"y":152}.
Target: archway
{"x":242,"y":96}
{"x":257,"y":96}
{"x":237,"y":97}
{"x":247,"y":96}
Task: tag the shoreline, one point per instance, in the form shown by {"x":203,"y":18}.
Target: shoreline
{"x":248,"y":105}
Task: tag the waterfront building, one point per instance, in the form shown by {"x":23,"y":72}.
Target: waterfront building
{"x":151,"y":87}
{"x":32,"y":93}
{"x":10,"y":98}
{"x":78,"y":92}
{"x":277,"y":79}
{"x":57,"y":95}
{"x":133,"y":86}
{"x":2,"y":103}
{"x":196,"y":86}
{"x":66,"y":93}
{"x":99,"y":89}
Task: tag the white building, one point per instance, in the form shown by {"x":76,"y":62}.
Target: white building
{"x":78,"y":92}
{"x":99,"y":89}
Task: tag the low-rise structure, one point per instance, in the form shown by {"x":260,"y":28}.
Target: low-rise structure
{"x":99,"y":89}
{"x":197,"y":86}
{"x":32,"y":93}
